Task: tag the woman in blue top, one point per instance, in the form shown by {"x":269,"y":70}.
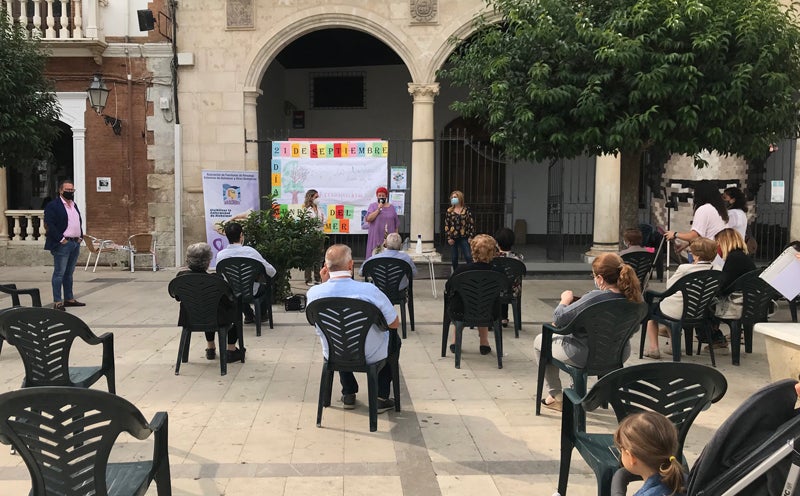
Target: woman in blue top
{"x":647,"y":443}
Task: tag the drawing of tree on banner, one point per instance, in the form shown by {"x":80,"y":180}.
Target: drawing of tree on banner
{"x":294,"y":175}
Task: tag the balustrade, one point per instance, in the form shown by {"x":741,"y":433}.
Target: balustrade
{"x":57,"y":19}
{"x":26,"y":226}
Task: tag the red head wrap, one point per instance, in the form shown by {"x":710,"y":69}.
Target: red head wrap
{"x":382,"y":190}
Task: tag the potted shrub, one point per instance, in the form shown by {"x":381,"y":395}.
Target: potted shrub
{"x":286,"y":241}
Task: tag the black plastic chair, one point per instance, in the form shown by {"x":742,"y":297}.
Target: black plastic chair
{"x":515,"y":271}
{"x":698,"y":290}
{"x":757,"y":295}
{"x":473,"y":299}
{"x":642,"y":264}
{"x":201,"y":296}
{"x":345,"y":323}
{"x":608,"y":327}
{"x":11,"y":289}
{"x":65,"y":436}
{"x":241,"y":273}
{"x":679,"y":391}
{"x":44,"y":337}
{"x":387,"y":274}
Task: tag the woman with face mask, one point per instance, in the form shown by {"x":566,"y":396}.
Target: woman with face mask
{"x":381,"y":220}
{"x":311,"y":205}
{"x":459,"y":227}
{"x":737,"y":210}
{"x":612,"y":279}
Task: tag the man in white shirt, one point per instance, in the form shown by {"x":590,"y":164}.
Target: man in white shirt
{"x":236,"y":248}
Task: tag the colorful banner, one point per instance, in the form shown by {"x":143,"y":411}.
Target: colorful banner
{"x":344,"y":173}
{"x":225,"y":195}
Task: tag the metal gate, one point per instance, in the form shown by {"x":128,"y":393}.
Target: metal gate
{"x":773,"y":210}
{"x":570,"y":208}
{"x":473,"y":166}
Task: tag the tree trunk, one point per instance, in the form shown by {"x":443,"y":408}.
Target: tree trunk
{"x":630,"y":170}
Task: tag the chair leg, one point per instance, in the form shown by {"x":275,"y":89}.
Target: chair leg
{"x":89,"y":259}
{"x":563,"y":468}
{"x":403,"y":319}
{"x":372,"y":392}
{"x":184,"y":344}
{"x":540,"y":383}
{"x":223,"y":355}
{"x":257,"y":314}
{"x":323,"y":393}
{"x":395,"y":364}
{"x":736,"y":340}
{"x":97,"y":259}
{"x":445,"y":332}
{"x":410,"y":305}
{"x":643,"y":337}
{"x":498,"y":342}
{"x":164,"y":478}
{"x":459,"y":336}
{"x":675,"y":331}
{"x":517,"y":309}
{"x":111,"y":381}
{"x":748,"y":337}
{"x":269,"y":310}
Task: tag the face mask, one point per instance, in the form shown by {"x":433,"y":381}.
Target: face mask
{"x":453,"y":201}
{"x":381,"y":200}
{"x":316,"y":201}
{"x":68,"y":195}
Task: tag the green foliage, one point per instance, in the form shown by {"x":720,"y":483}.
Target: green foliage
{"x":28,"y":106}
{"x":561,"y":78}
{"x":285,"y":242}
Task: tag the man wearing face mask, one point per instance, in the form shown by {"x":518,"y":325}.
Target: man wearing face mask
{"x":381,"y":219}
{"x":64,"y":235}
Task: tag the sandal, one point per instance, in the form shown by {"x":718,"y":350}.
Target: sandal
{"x":556,"y":405}
{"x":485,"y":350}
{"x":655,"y":355}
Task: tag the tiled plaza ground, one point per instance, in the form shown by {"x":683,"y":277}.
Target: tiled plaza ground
{"x":461,"y":432}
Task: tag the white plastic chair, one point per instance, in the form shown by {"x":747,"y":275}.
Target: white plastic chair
{"x":97,"y":247}
{"x":142,"y":244}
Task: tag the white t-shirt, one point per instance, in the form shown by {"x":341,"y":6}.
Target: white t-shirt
{"x":737,"y":219}
{"x":707,"y":221}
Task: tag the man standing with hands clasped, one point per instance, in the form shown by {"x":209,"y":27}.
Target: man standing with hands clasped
{"x":64,"y":236}
{"x":337,"y":281}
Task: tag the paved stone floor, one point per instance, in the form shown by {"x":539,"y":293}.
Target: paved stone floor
{"x":461,"y":432}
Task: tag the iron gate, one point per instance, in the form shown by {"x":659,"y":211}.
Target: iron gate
{"x":570,"y":208}
{"x":770,"y":227}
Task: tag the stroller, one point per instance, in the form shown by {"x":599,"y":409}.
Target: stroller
{"x":755,"y":452}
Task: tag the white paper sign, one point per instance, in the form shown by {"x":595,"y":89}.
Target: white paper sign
{"x":777,"y":192}
{"x":398,"y":200}
{"x":783,"y":274}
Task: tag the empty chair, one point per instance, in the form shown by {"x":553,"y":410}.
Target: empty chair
{"x":142,"y":244}
{"x":44,"y":338}
{"x":65,"y":436}
{"x":698,"y":290}
{"x":608,"y":327}
{"x":11,"y":289}
{"x":242,"y":273}
{"x":388,"y":274}
{"x":345,"y":323}
{"x":515,"y":271}
{"x":756,"y":297}
{"x":474,"y":299}
{"x":201,"y":296}
{"x":679,"y":391}
{"x":98,"y":247}
{"x":642,"y":264}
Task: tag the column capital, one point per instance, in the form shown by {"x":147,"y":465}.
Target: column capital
{"x":251,"y":95}
{"x":423,"y":92}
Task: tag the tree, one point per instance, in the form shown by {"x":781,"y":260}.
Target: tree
{"x":554,"y":79}
{"x":28,"y":106}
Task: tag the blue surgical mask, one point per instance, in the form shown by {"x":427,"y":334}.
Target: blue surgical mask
{"x":453,"y":201}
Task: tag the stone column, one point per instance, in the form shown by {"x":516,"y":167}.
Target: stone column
{"x":3,"y":206}
{"x":606,"y":205}
{"x":422,"y":163}
{"x":251,"y":127}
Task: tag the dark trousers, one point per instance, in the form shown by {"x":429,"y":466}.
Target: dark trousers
{"x":348,"y":379}
{"x":461,"y":244}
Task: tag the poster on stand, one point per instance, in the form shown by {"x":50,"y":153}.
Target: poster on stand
{"x":226,"y":194}
{"x":344,"y":173}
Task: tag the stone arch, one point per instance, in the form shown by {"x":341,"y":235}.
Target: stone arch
{"x":308,"y":20}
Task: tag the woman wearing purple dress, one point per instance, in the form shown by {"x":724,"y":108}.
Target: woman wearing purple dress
{"x":381,"y":219}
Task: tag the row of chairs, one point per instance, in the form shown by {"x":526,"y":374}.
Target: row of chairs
{"x":64,"y":431}
{"x":138,"y":245}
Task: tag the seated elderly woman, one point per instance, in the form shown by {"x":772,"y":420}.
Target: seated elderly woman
{"x":198,"y":259}
{"x":612,"y":279}
{"x":484,"y":249}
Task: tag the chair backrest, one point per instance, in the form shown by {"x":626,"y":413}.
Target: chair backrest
{"x":200,"y":296}
{"x":475,"y":296}
{"x":609,"y":326}
{"x":142,"y":243}
{"x":65,"y":435}
{"x":641,"y":262}
{"x":11,"y":289}
{"x":698,"y":290}
{"x":679,"y":391}
{"x":757,"y":294}
{"x":90,"y":243}
{"x":345,"y":323}
{"x":514,"y":269}
{"x":387,"y":273}
{"x":241,"y":273}
{"x":43,"y":337}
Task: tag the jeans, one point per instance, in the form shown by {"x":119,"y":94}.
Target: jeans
{"x":348,"y":379}
{"x":65,"y":256}
{"x":463,"y":245}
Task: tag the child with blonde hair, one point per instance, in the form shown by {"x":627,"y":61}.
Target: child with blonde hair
{"x":647,"y":444}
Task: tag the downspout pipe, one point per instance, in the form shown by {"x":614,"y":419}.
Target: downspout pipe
{"x":178,"y":141}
